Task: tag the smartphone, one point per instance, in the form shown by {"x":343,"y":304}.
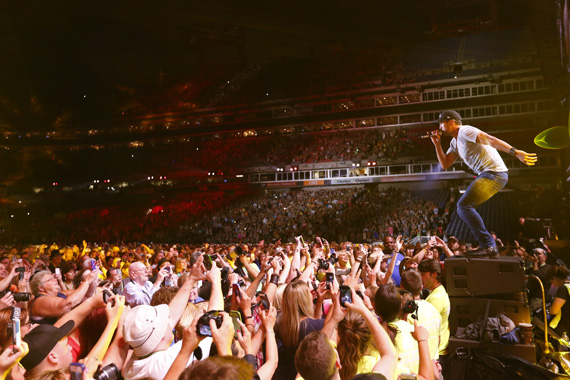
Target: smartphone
{"x":363,"y":262}
{"x":106,"y":295}
{"x":236,"y":316}
{"x":21,"y":271}
{"x":345,"y":295}
{"x":208,"y":262}
{"x":314,"y":285}
{"x":235,"y":289}
{"x":16,"y":335}
{"x":264,"y":302}
{"x":58,"y":271}
{"x":329,"y":278}
{"x":76,"y":371}
{"x":93,"y":265}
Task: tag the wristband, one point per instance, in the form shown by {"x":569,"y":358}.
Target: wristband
{"x":274,"y":279}
{"x":422,"y":340}
{"x":359,"y":259}
{"x":513,"y":151}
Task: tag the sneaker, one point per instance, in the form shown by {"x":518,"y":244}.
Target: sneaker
{"x":490,"y":252}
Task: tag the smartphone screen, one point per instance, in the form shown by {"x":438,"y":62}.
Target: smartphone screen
{"x":235,"y":288}
{"x":76,"y":371}
{"x":264,"y":301}
{"x":236,"y":316}
{"x":93,"y":265}
{"x":345,"y":295}
{"x":208,"y":262}
{"x":57,"y":271}
{"x":329,"y":278}
{"x":204,"y":330}
{"x":16,"y":336}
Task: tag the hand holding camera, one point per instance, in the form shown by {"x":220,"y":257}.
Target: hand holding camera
{"x":222,"y":333}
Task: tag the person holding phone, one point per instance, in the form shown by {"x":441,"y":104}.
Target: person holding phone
{"x":50,"y":302}
{"x":316,"y":358}
{"x":295,"y":322}
{"x":139,"y":290}
{"x":167,"y":266}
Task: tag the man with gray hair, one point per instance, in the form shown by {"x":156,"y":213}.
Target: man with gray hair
{"x":139,"y":290}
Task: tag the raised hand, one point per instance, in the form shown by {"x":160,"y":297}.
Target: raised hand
{"x":528,"y":159}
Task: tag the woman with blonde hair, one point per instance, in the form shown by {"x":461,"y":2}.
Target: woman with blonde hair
{"x":355,"y":349}
{"x":294,"y":323}
{"x":278,"y":298}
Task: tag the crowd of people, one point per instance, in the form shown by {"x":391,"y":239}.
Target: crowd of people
{"x":354,"y":213}
{"x":348,"y":214}
{"x":227,"y":153}
{"x":315,"y":309}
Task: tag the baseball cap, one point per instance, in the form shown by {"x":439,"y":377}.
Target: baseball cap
{"x":144,"y":327}
{"x":449,"y":115}
{"x":55,"y":253}
{"x":41,"y":340}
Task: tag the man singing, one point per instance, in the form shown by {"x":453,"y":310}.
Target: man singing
{"x":479,"y":151}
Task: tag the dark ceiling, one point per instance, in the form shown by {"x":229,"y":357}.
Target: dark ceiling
{"x":76,"y":62}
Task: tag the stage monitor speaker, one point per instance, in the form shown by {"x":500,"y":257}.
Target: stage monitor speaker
{"x":467,"y":277}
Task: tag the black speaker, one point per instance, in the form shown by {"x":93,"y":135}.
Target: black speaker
{"x":468,"y":277}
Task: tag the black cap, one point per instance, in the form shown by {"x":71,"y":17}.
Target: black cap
{"x":449,"y":115}
{"x":41,"y":340}
{"x":55,"y":253}
{"x":160,"y":262}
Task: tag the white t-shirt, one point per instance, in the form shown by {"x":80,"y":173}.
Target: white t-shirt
{"x":157,"y":365}
{"x":479,"y":157}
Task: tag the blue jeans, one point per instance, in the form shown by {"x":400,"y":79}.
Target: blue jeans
{"x":481,"y":189}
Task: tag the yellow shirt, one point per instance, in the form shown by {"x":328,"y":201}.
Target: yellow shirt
{"x":440,"y":300}
{"x":430,"y":319}
{"x":407,"y":348}
{"x":365,"y":365}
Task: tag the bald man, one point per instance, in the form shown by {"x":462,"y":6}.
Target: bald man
{"x":139,"y":290}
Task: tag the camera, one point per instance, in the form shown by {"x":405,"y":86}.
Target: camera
{"x":18,"y":296}
{"x":203,"y":327}
{"x":109,"y":372}
{"x":234,"y":256}
{"x":410,"y":307}
{"x":324,"y":264}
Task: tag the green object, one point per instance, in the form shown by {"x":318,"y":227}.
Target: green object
{"x":553,"y":138}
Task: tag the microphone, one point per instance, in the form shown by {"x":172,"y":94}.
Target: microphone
{"x":429,"y":134}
